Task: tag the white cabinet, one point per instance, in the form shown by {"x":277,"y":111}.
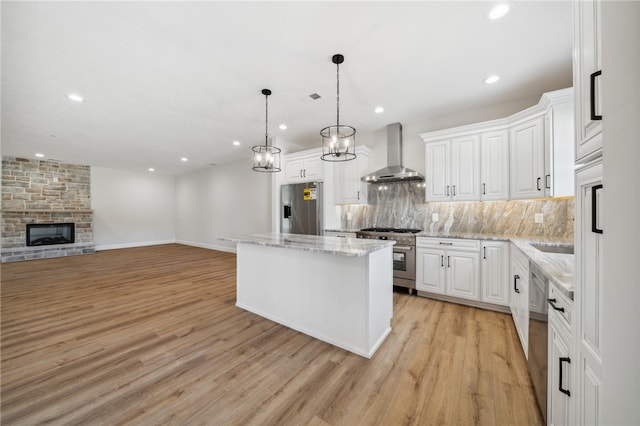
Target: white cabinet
{"x":587,"y":67}
{"x":527,"y":159}
{"x":561,"y":392}
{"x":448,"y":266}
{"x":453,"y":169}
{"x":588,"y":291}
{"x":303,"y":167}
{"x":495,"y":272}
{"x":519,"y":295}
{"x":348,"y":187}
{"x":494,"y":165}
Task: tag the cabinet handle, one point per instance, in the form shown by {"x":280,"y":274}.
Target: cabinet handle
{"x":553,"y":302}
{"x":445,"y":244}
{"x":484,"y":189}
{"x":304,"y":172}
{"x":592,"y":95}
{"x":594,"y":209}
{"x":447,"y":190}
{"x":515,"y":282}
{"x":568,"y":361}
{"x":538,"y":183}
{"x":300,"y":173}
{"x":454,"y":190}
{"x":547,"y":180}
{"x":484,"y":252}
{"x":448,"y":261}
{"x":358,"y":195}
{"x":442,"y":260}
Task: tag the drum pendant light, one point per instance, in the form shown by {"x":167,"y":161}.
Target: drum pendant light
{"x":266,"y":158}
{"x":339,"y":141}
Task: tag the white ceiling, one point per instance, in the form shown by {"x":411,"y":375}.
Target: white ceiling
{"x":163,"y":80}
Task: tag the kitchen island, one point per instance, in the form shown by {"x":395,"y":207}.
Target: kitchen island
{"x":334,"y":289}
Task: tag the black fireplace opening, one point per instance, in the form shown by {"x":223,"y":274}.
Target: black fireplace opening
{"x":44,"y":234}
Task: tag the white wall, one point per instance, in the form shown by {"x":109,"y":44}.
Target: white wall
{"x":131,"y":209}
{"x":621,"y":180}
{"x":222,"y":201}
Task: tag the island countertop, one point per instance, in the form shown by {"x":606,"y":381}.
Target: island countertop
{"x":331,"y":245}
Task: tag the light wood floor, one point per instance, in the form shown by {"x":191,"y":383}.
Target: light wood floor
{"x":152,"y":336}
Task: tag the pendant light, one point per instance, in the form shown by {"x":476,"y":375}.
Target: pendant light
{"x":339,"y":141}
{"x":266,"y":158}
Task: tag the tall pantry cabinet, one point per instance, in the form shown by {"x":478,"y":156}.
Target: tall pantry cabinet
{"x":586,"y":359}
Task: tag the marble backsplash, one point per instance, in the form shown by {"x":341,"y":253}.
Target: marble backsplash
{"x":401,"y":205}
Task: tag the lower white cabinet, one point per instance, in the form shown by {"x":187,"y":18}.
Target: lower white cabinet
{"x":589,"y":288}
{"x":494,"y":268}
{"x":561,"y":391}
{"x":448,"y":266}
{"x":340,"y":234}
{"x":519,"y":296}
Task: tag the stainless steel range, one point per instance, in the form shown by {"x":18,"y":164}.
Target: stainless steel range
{"x":404,"y":252}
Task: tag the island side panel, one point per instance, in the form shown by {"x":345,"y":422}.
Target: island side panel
{"x":323,"y":295}
{"x":380,"y":296}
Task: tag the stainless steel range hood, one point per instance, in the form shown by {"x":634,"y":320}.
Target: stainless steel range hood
{"x":395,"y":171}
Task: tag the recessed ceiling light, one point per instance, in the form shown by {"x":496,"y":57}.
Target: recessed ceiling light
{"x":378,"y":110}
{"x":151,"y":169}
{"x":236,"y":143}
{"x":39,"y":155}
{"x":499,"y":11}
{"x":492,"y":79}
{"x":282,"y":126}
{"x":75,"y":97}
{"x":184,"y":159}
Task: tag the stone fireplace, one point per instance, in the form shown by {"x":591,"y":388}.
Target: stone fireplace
{"x":46,"y":194}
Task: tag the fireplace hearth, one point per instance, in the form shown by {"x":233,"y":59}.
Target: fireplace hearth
{"x":46,"y":234}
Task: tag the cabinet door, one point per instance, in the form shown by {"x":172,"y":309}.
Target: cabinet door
{"x":494,"y":166}
{"x":312,"y":168}
{"x":349,"y":188}
{"x":465,"y":168}
{"x":430,"y":270}
{"x":527,"y":159}
{"x":560,"y":389}
{"x":495,"y":272}
{"x":293,"y":170}
{"x":437,"y":171}
{"x":587,"y":62}
{"x":589,"y":290}
{"x":463,"y":274}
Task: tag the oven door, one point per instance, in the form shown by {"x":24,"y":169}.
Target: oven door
{"x":404,"y":262}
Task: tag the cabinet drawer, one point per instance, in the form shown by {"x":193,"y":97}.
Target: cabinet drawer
{"x":449,"y":243}
{"x":560,"y":306}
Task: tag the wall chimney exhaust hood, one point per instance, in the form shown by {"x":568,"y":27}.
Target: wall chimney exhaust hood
{"x":395,"y":171}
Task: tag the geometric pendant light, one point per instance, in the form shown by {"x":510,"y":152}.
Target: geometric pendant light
{"x":339,"y":141}
{"x":266,"y":158}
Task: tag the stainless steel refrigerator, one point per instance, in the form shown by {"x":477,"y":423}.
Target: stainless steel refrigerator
{"x":301,"y":208}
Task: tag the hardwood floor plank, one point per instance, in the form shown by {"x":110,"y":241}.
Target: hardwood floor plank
{"x":151,"y":335}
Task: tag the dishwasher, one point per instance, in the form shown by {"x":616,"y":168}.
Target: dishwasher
{"x":538,"y":319}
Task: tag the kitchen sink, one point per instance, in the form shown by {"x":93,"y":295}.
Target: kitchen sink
{"x":562,"y":249}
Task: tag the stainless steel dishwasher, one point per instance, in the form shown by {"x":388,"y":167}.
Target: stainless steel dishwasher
{"x":538,"y":319}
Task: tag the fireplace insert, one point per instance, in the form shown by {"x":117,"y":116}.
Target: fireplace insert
{"x":43,"y":234}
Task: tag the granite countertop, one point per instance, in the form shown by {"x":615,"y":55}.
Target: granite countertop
{"x":331,"y":245}
{"x":558,"y":268}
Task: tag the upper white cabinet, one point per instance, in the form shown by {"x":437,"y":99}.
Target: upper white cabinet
{"x":527,"y":159}
{"x":303,"y":167}
{"x":494,"y":165}
{"x":348,"y":187}
{"x":527,"y":155}
{"x":453,"y":169}
{"x":587,"y":69}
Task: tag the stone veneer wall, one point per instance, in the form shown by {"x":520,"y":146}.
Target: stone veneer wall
{"x":402,"y":205}
{"x":44,"y":192}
